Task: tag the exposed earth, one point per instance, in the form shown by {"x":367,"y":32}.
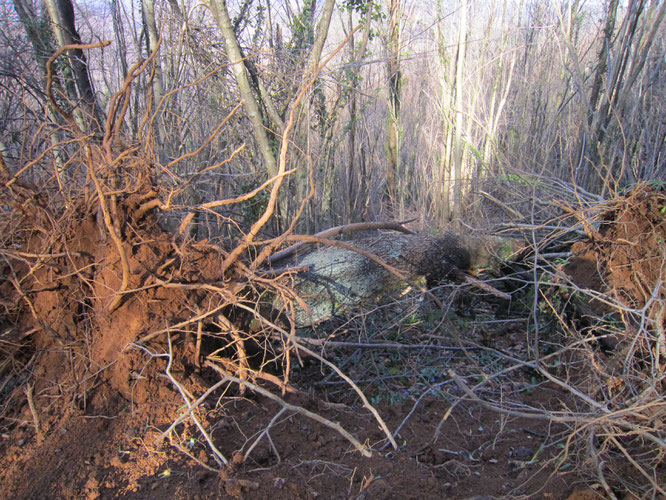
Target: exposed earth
{"x":101,"y":401}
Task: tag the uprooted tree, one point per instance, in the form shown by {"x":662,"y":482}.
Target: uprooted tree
{"x":90,"y":266}
{"x":340,"y":276}
{"x":83,"y":251}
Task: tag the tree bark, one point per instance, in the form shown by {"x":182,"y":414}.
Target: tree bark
{"x":148,"y":8}
{"x":221,"y":14}
{"x":393,"y":171}
{"x":339,"y":279}
{"x":602,"y":64}
{"x":321,"y":35}
{"x":41,"y":39}
{"x":38,"y":33}
{"x":457,"y":140}
{"x":447,"y":77}
{"x":64,"y":26}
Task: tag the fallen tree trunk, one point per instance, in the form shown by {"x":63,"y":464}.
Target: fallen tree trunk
{"x":339,"y":278}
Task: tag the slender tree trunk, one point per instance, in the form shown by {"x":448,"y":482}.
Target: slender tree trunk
{"x":40,"y":36}
{"x":157,"y":81}
{"x":351,"y":168}
{"x":457,"y":140}
{"x":356,"y":183}
{"x":67,"y":70}
{"x":119,"y":34}
{"x":64,"y":26}
{"x":393,"y":171}
{"x":591,"y":143}
{"x":602,"y":63}
{"x":221,"y":14}
{"x":500,"y":93}
{"x":321,"y":34}
{"x":447,"y":76}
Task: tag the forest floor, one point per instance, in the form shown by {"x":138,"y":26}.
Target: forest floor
{"x":112,"y":449}
{"x":109,"y":451}
{"x":102,"y":407}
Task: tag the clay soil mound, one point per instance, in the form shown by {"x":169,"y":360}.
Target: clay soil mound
{"x":627,"y":255}
{"x":616,"y":320}
{"x":88,"y":382}
{"x":86,"y":396}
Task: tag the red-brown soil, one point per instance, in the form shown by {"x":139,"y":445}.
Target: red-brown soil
{"x":627,"y":255}
{"x":111,"y":449}
{"x":103,"y":402}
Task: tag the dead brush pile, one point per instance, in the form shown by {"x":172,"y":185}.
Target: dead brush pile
{"x":611,"y":307}
{"x":98,"y":296}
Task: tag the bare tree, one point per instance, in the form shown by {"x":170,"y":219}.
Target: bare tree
{"x":394,"y":77}
{"x":63,"y":21}
{"x":457,"y":138}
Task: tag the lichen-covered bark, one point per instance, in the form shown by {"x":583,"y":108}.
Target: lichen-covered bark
{"x":339,"y":279}
{"x":221,"y":15}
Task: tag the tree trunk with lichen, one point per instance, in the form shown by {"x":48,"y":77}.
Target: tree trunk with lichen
{"x":340,"y":279}
{"x":79,"y":87}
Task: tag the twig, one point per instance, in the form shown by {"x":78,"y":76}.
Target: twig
{"x":541,"y":415}
{"x":33,"y":409}
{"x":297,"y":409}
{"x":49,"y":77}
{"x":295,"y":341}
{"x":12,"y":253}
{"x":265,"y":433}
{"x":386,"y":345}
{"x":485,"y":286}
{"x":230,"y":366}
{"x":193,"y":407}
{"x":416,"y":404}
{"x":199,"y":317}
{"x":243,"y":364}
{"x":600,"y":467}
{"x":25,"y":297}
{"x":501,"y":204}
{"x":180,"y":448}
{"x":638,"y":467}
{"x":358,"y":391}
{"x":197,"y":347}
{"x":219,"y":457}
{"x":245,"y":196}
{"x":335,"y":231}
{"x":279,"y":272}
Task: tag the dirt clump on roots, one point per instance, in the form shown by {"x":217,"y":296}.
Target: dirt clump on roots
{"x":69,"y":311}
{"x":627,"y":255}
{"x":613,"y":316}
{"x":74,"y":388}
{"x":102,"y":394}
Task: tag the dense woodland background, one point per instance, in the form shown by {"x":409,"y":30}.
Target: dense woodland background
{"x":444,"y":110}
{"x":155,"y":155}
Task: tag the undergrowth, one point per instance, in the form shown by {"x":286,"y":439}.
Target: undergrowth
{"x":83,"y":258}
